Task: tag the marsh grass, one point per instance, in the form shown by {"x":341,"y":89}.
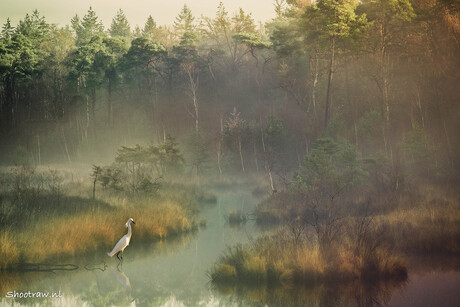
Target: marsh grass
{"x":431,"y":230}
{"x":62,"y":237}
{"x":236,"y":217}
{"x":375,"y":237}
{"x":427,"y":214}
{"x":277,"y":259}
{"x":9,"y":251}
{"x":42,"y":224}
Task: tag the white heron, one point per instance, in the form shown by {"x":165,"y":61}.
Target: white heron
{"x":124,"y":241}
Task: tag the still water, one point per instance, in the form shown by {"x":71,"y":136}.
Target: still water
{"x":174,"y":273}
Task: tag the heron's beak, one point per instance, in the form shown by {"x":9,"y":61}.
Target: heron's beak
{"x":134,"y":223}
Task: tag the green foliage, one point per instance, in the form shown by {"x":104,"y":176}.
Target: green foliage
{"x":150,"y":186}
{"x":243,"y":23}
{"x":142,"y":59}
{"x":131,"y":154}
{"x":419,"y":154}
{"x":252,"y":40}
{"x":370,"y":127}
{"x":18,"y":58}
{"x":328,"y":18}
{"x":235,"y":129}
{"x":184,"y":22}
{"x":120,"y":26}
{"x":274,"y":135}
{"x":150,"y":29}
{"x":198,"y":152}
{"x":89,"y":62}
{"x":111,"y":177}
{"x":329,"y":169}
{"x":7,"y":32}
{"x":236,"y":134}
{"x":187,"y":48}
{"x":165,"y":157}
{"x":388,"y":11}
{"x":170,"y":156}
{"x":87,"y":28}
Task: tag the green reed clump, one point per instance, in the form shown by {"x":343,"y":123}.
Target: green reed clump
{"x":236,"y":217}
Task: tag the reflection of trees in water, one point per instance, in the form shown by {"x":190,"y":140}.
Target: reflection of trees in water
{"x":339,"y":294}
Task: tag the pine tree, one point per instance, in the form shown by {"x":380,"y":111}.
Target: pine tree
{"x":7,"y":32}
{"x":150,"y":29}
{"x":120,"y":26}
{"x":184,"y":22}
{"x":86,"y":28}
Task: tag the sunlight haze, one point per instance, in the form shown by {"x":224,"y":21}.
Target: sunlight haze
{"x":137,"y":11}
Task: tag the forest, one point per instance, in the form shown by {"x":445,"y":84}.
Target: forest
{"x":343,"y":114}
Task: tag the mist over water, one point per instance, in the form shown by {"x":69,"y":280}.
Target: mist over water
{"x":310,"y":159}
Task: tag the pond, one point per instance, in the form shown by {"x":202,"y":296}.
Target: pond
{"x":174,"y":273}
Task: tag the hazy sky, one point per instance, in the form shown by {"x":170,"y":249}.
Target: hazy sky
{"x":137,"y":11}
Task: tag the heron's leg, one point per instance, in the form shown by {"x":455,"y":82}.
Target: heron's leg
{"x":118,"y":256}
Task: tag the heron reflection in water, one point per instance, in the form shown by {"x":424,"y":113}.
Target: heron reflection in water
{"x":123,"y":280}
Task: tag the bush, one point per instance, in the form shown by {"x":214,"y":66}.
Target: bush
{"x":236,"y":217}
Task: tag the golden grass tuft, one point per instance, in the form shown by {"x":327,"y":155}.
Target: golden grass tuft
{"x":273,"y":260}
{"x":255,"y":268}
{"x":9,"y":252}
{"x":87,"y":232}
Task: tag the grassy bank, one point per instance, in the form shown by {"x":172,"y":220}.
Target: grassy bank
{"x":61,"y":237}
{"x":355,"y":240}
{"x":279,"y":259}
{"x":42,"y":224}
{"x":429,"y":215}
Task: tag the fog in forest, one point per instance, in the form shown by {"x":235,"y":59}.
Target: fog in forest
{"x":329,"y":133}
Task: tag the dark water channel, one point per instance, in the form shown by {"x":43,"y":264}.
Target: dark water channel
{"x":174,"y":273}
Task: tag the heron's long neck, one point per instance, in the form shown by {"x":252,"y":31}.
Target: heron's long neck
{"x":129,"y":230}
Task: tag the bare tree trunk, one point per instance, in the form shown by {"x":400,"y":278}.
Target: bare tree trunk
{"x":109,"y":104}
{"x":328,"y":111}
{"x":268,"y":164}
{"x":191,"y":71}
{"x":64,"y":141}
{"x":255,"y":157}
{"x":93,"y":113}
{"x":315,"y":82}
{"x":39,"y":150}
{"x":87,"y":117}
{"x":241,"y":154}
{"x":219,"y":145}
{"x":218,"y":159}
{"x":272,"y":185}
